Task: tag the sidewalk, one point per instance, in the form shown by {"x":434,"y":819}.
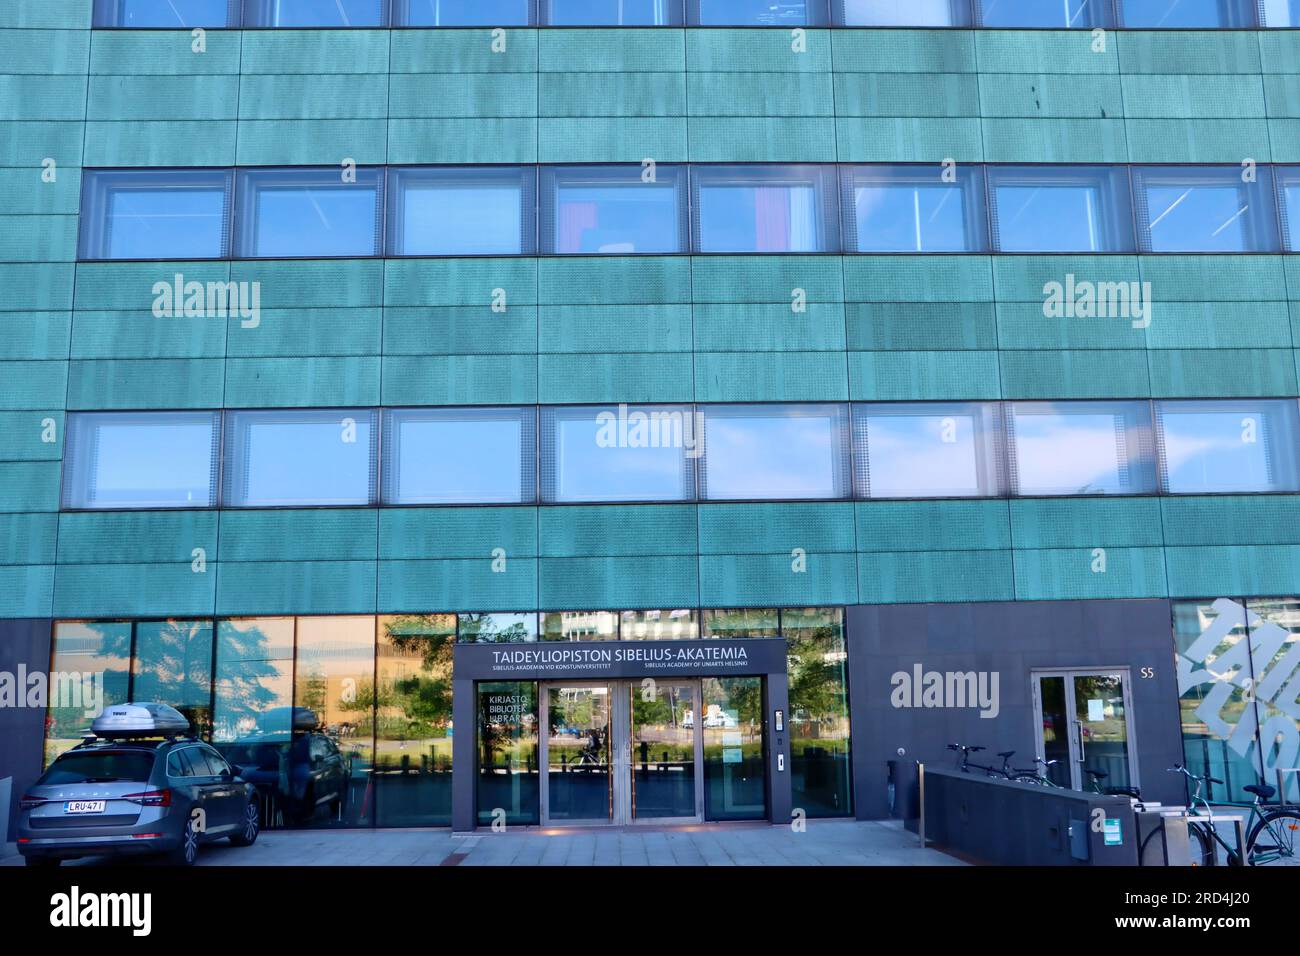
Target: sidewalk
{"x":824,"y":843}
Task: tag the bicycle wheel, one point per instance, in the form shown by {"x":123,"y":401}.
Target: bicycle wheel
{"x":1152,"y":853}
{"x":1275,"y":839}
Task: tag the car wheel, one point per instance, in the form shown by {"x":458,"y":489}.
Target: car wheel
{"x":188,"y":851}
{"x":249,"y":827}
{"x":41,"y":861}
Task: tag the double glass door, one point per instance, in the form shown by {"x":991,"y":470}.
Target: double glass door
{"x":1083,"y":720}
{"x":620,"y":752}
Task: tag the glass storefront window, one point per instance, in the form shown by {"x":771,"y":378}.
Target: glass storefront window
{"x":413,"y":724}
{"x":817,"y":665}
{"x":498,"y":628}
{"x":1218,"y":721}
{"x":579,"y":626}
{"x":508,"y":787}
{"x":253,"y":718}
{"x":1275,"y":668}
{"x":173,"y":665}
{"x":677,"y":625}
{"x":90,"y":669}
{"x":741,"y":622}
{"x":334,"y":681}
{"x":734,"y":759}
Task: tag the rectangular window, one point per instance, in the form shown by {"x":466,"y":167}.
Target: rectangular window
{"x":462,"y":13}
{"x":309,"y":213}
{"x":913,"y":209}
{"x":612,"y":210}
{"x":734,"y":777}
{"x":81,"y":652}
{"x":613,"y":13}
{"x":1204,"y":209}
{"x":741,"y":622}
{"x":497,"y":628}
{"x":292,"y":457}
{"x":173,"y":665}
{"x":315,"y":13}
{"x":757,"y":13}
{"x":413,"y":722}
{"x":1187,"y":14}
{"x":765,"y":209}
{"x":775,"y":452}
{"x":1288,"y":198}
{"x":903,"y":13}
{"x":1060,"y":14}
{"x":1081,"y":448}
{"x":1060,"y":209}
{"x":451,"y":211}
{"x":141,"y":460}
{"x":1237,"y":445}
{"x":507,"y":753}
{"x":927,"y":450}
{"x":579,"y":626}
{"x":674,"y":625}
{"x":166,"y":14}
{"x":619,"y":453}
{"x":1280,"y":13}
{"x":155,"y":214}
{"x":460,"y":455}
{"x":333,"y":671}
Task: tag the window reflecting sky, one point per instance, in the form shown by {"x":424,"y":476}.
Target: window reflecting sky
{"x":1187,"y":14}
{"x":465,"y":13}
{"x":905,"y":13}
{"x":1069,"y":14}
{"x":613,"y":12}
{"x":149,"y":462}
{"x":772,"y":455}
{"x":735,"y":217}
{"x":1076,"y":452}
{"x":161,"y":13}
{"x":315,"y":219}
{"x":616,"y":218}
{"x":457,"y":458}
{"x":315,"y":13}
{"x":180,"y":223}
{"x":283,"y":460}
{"x":588,"y":467}
{"x":917,"y":456}
{"x":1226,"y":446}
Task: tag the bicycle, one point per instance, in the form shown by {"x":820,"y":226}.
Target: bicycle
{"x":1271,"y":834}
{"x":965,"y":765}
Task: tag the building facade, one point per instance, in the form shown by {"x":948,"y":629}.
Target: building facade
{"x":606,"y":412}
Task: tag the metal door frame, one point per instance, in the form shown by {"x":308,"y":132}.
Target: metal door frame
{"x":620,"y":752}
{"x":626,"y":809}
{"x":1072,"y":717}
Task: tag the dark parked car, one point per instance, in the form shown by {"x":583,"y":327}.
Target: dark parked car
{"x":297,"y":771}
{"x":138,"y":787}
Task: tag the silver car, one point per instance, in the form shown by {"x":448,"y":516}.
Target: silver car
{"x":135,"y":796}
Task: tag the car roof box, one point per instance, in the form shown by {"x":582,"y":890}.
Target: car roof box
{"x":139,"y":720}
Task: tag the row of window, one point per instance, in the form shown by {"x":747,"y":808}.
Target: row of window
{"x":315,"y":212}
{"x":990,"y":14}
{"x":362,"y":704}
{"x":644,"y":453}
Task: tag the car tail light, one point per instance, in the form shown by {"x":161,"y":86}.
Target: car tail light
{"x":28,"y":802}
{"x":151,"y":798}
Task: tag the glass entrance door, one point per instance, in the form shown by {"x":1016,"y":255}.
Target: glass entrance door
{"x":621,"y":752}
{"x":1083,"y":725}
{"x":665,"y":752}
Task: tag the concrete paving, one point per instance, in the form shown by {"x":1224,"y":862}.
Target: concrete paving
{"x":824,"y":843}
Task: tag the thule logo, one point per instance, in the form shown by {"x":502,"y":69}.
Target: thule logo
{"x":76,"y":909}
